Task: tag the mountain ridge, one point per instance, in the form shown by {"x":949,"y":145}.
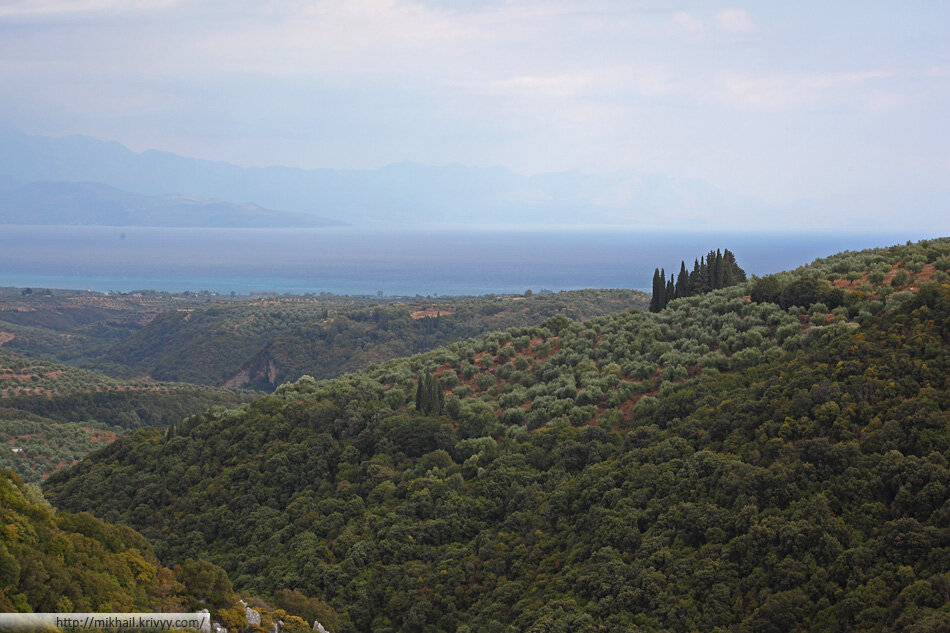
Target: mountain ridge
{"x":393,"y":194}
{"x":61,"y":203}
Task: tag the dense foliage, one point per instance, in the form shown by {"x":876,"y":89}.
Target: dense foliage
{"x":33,"y":446}
{"x":725,"y":464}
{"x":54,"y":561}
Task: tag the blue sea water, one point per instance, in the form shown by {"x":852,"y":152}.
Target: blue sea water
{"x":355,"y":260}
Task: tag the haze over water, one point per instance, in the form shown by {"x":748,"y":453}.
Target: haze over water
{"x":352,"y":260}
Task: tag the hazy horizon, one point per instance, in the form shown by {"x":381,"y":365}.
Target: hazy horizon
{"x":781,"y":104}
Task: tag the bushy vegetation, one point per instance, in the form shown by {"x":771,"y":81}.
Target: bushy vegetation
{"x":37,"y":446}
{"x":730,"y":463}
{"x":54,"y":562}
{"x":51,"y":415}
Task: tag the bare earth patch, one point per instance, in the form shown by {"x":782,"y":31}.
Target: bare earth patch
{"x":430,"y":313}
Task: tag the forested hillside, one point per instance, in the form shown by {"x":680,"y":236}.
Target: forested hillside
{"x":59,"y":562}
{"x":771,"y":456}
{"x":82,"y":327}
{"x":263,"y":345}
{"x":262,"y":342}
{"x":54,"y":561}
{"x":51,"y":415}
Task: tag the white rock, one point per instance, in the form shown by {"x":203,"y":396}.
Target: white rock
{"x":253,"y":617}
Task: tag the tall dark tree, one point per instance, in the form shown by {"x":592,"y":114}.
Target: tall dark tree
{"x":682,"y":282}
{"x":657,"y":293}
{"x":430,"y":399}
{"x":663,"y":298}
{"x":737,"y":275}
{"x":717,"y":271}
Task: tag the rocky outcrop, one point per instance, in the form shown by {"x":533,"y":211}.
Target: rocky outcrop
{"x":319,"y":627}
{"x":261,"y":370}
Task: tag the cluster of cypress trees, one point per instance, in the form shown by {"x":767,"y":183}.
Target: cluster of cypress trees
{"x":430,"y":399}
{"x":715,"y":270}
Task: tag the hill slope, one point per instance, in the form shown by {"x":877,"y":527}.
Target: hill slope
{"x":262,"y":342}
{"x":725,"y":464}
{"x":54,"y":561}
{"x":51,"y":415}
{"x":263,"y":345}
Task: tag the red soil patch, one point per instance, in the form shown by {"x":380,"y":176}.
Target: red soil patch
{"x":431,"y":312}
{"x":98,"y":435}
{"x":926,"y":273}
{"x":6,"y":337}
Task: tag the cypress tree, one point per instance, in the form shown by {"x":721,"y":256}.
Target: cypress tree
{"x":717,"y":271}
{"x":738,"y":275}
{"x":663,"y":298}
{"x":430,"y":400}
{"x":682,"y":282}
{"x":655,"y":299}
{"x":420,"y":392}
{"x":695,"y":279}
{"x":436,"y":397}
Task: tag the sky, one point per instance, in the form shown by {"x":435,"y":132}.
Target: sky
{"x":778,"y":100}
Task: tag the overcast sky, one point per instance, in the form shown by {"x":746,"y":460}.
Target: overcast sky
{"x":780,"y":100}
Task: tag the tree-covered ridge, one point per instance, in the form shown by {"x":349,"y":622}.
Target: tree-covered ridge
{"x":260,"y":342}
{"x":726,"y":464}
{"x":59,"y":562}
{"x":717,"y":269}
{"x":263,"y":346}
{"x":51,"y":415}
{"x":54,"y":561}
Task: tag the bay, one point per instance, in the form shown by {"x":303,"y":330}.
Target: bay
{"x":396,"y":262}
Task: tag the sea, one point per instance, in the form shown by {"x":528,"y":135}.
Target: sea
{"x":393,"y":261}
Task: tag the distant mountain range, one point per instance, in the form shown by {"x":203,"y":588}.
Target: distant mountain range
{"x":410,"y":194}
{"x":398,"y":194}
{"x":90,"y":203}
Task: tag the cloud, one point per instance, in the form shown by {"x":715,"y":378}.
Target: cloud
{"x":687,"y":22}
{"x":564,"y":85}
{"x":735,"y":21}
{"x":787,"y":90}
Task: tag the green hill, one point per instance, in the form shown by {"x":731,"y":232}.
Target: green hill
{"x":767,"y":457}
{"x":51,"y":415}
{"x":262,"y":345}
{"x":55,"y":561}
{"x":262,"y":342}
